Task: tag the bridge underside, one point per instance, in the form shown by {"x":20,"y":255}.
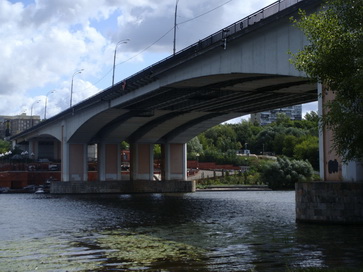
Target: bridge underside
{"x":178,"y":112}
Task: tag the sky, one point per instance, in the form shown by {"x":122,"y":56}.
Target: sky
{"x":45,"y":45}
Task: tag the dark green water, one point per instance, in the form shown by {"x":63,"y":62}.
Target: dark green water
{"x":203,"y":231}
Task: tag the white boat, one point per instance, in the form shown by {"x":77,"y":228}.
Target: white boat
{"x":39,"y":191}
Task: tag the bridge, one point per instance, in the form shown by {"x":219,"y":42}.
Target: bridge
{"x":243,"y":68}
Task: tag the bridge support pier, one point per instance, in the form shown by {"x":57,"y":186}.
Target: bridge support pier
{"x":142,"y":161}
{"x":338,"y":198}
{"x":109,"y":161}
{"x":174,"y":156}
{"x":173,"y":166}
{"x":74,"y":162}
{"x":33,"y":149}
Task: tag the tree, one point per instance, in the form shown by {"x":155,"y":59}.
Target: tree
{"x":312,"y":117}
{"x":194,"y":147}
{"x":4,"y":146}
{"x":223,"y":137}
{"x":124,"y":145}
{"x":284,"y":173}
{"x":289,"y":143}
{"x":308,"y":149}
{"x":334,"y":57}
{"x":282,"y":120}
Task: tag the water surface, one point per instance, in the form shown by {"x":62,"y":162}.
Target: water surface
{"x":203,"y":231}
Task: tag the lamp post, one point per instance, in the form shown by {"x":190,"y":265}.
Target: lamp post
{"x":45,"y":103}
{"x":31,"y":111}
{"x":114,"y":59}
{"x":197,"y":155}
{"x":176,"y":11}
{"x":75,"y":73}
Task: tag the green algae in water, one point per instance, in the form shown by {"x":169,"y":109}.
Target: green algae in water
{"x":46,"y":254}
{"x":139,"y":250}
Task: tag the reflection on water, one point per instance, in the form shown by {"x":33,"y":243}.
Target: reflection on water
{"x":203,"y":231}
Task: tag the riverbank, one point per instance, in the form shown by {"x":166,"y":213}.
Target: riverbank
{"x":234,"y":188}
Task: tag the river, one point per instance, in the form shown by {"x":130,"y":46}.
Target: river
{"x":202,"y":231}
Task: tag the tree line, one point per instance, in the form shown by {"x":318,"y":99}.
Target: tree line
{"x":293,"y":139}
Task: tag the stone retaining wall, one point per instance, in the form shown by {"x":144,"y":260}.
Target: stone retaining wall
{"x":122,"y":186}
{"x":329,"y":202}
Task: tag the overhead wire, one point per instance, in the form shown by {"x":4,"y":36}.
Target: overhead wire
{"x":166,"y":33}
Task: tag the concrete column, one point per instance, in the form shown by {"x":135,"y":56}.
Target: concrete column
{"x":78,"y":170}
{"x":165,"y":154}
{"x":85,"y":162}
{"x":101,"y":161}
{"x":109,"y":161}
{"x":331,"y":166}
{"x":321,"y":139}
{"x":65,"y":161}
{"x":330,"y":162}
{"x":142,"y":161}
{"x":33,"y":149}
{"x":175,"y":161}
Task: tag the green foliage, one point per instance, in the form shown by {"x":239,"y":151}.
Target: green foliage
{"x":194,"y":148}
{"x":229,"y":157}
{"x":284,"y":173}
{"x":312,"y":117}
{"x":221,"y":143}
{"x":241,"y":178}
{"x":308,"y":149}
{"x":157,"y":151}
{"x":4,"y":146}
{"x":223,"y":137}
{"x":289,"y":144}
{"x":334,"y":57}
{"x":124,"y":145}
{"x":283,"y":120}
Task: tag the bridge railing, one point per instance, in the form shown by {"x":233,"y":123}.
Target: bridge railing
{"x":141,"y":78}
{"x":241,"y":24}
{"x":225,"y":32}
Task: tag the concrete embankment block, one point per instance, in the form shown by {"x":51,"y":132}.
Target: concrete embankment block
{"x":122,"y":186}
{"x":329,"y":202}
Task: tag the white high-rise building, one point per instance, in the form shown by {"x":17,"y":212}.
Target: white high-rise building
{"x":268,"y":117}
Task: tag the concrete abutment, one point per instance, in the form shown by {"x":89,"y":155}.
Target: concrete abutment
{"x":123,"y":187}
{"x":329,"y":202}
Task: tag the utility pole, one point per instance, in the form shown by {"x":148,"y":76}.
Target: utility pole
{"x":176,"y":12}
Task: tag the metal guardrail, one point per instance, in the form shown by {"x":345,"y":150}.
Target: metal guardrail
{"x":239,"y":25}
{"x":231,"y":29}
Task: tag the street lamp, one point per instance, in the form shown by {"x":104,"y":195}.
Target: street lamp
{"x":114,"y":59}
{"x":45,"y":104}
{"x":176,"y":11}
{"x":31,"y":111}
{"x":75,"y":73}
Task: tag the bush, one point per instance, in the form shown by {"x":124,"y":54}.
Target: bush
{"x":284,"y":173}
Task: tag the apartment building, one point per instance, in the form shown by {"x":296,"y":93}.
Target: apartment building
{"x":268,"y":117}
{"x":11,"y":125}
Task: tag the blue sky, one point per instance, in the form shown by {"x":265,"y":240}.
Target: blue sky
{"x":45,"y":42}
